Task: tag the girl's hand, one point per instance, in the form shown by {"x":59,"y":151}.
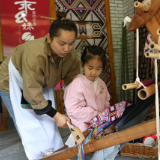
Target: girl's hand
{"x":61,"y":120}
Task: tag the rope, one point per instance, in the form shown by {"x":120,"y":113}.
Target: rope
{"x":137,"y":56}
{"x":126,"y":20}
{"x":157,"y":99}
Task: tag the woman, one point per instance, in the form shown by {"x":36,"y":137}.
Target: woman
{"x":35,"y":67}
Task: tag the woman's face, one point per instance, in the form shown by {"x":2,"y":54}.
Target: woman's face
{"x":62,"y":44}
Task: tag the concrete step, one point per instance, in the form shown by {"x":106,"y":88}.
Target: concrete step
{"x":10,"y":146}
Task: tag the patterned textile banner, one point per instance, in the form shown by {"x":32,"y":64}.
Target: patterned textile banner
{"x":89,"y":16}
{"x":20,"y":22}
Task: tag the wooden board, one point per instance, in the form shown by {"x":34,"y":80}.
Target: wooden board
{"x":135,"y":132}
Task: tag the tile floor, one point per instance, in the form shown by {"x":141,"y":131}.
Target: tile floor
{"x":11,"y":147}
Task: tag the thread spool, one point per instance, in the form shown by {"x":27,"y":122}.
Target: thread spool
{"x":152,"y":55}
{"x":150,"y":140}
{"x":130,"y":86}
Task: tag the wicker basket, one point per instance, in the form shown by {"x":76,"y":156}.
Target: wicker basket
{"x":139,"y":150}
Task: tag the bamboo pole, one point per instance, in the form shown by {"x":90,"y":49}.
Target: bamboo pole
{"x":141,"y":6}
{"x":130,"y":86}
{"x":48,"y":18}
{"x":152,"y":55}
{"x":147,"y":92}
{"x":155,"y":47}
{"x":126,"y":135}
{"x":158,"y":32}
{"x":110,"y":50}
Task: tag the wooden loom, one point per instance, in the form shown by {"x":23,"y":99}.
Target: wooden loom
{"x":126,"y":135}
{"x":135,"y":132}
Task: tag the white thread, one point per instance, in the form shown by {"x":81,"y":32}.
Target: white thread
{"x":137,"y":56}
{"x":157,"y":100}
{"x":140,"y":83}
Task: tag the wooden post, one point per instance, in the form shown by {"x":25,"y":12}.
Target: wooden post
{"x":59,"y":101}
{"x":52,"y":8}
{"x":126,"y":135}
{"x":60,"y":108}
{"x":3,"y":127}
{"x":1,"y":48}
{"x":110,"y":50}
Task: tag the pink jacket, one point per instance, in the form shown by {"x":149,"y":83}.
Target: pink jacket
{"x":81,"y":101}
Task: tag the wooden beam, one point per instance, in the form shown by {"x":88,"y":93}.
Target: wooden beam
{"x":110,"y":50}
{"x":1,"y":48}
{"x":126,"y":135}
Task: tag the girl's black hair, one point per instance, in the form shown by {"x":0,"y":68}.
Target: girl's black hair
{"x":61,"y":23}
{"x":91,"y":51}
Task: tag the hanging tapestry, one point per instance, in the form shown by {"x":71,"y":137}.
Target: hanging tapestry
{"x":89,"y":16}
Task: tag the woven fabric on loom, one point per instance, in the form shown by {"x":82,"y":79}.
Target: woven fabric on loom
{"x":109,"y":115}
{"x":90,"y":19}
{"x":100,"y":122}
{"x":149,"y":40}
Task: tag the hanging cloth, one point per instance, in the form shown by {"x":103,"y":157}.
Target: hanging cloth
{"x":38,"y":132}
{"x":124,"y":95}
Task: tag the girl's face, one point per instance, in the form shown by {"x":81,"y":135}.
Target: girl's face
{"x":62,"y":44}
{"x":93,"y":68}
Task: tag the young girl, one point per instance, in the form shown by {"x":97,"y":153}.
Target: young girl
{"x":87,"y":95}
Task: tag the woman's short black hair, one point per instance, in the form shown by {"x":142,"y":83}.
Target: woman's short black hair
{"x":91,"y":51}
{"x":61,"y":23}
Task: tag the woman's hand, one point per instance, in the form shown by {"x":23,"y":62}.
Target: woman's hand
{"x":61,"y":120}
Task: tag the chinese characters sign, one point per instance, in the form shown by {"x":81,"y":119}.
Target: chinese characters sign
{"x":21,"y":22}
